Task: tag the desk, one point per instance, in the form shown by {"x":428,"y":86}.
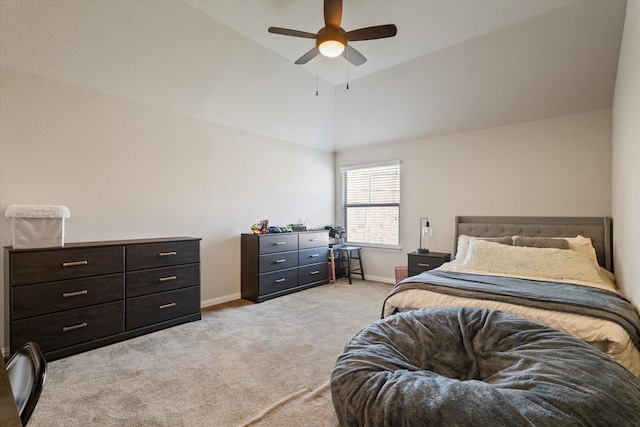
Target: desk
{"x":8,"y":412}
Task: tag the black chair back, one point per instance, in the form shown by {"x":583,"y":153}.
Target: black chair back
{"x":27,"y":370}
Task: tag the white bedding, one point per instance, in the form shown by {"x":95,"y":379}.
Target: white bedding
{"x":603,"y":334}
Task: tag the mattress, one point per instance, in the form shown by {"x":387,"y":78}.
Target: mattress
{"x":601,"y":331}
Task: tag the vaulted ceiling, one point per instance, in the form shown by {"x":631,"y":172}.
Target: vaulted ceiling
{"x":424,"y":27}
{"x":454,"y":66}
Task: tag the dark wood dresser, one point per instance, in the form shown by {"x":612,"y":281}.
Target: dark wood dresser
{"x":280,"y":263}
{"x":86,"y":295}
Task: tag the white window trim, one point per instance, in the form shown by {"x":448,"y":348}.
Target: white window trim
{"x":343,"y":169}
{"x":370,"y":165}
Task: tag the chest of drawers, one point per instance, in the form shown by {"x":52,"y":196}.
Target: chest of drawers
{"x":419,"y":262}
{"x":86,"y":295}
{"x":277,"y":264}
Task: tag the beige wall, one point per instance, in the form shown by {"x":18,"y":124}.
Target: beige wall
{"x":553,"y":167}
{"x":151,"y":158}
{"x":626,"y":158}
{"x":129,"y":170}
{"x":169,"y":55}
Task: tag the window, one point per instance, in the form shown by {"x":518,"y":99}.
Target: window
{"x":371,"y":204}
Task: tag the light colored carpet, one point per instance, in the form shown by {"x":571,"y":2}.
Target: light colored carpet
{"x":243,"y":364}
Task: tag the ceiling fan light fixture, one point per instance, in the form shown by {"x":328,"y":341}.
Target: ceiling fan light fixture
{"x":332,"y":40}
{"x":331,"y":48}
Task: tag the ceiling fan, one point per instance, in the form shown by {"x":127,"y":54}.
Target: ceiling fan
{"x":332,"y":40}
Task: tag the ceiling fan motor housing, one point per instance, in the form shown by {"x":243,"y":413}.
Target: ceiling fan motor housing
{"x":334,"y":36}
{"x":332,"y":39}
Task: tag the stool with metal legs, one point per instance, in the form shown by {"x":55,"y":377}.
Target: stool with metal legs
{"x":351,"y":253}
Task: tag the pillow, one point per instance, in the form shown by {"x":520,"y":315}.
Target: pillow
{"x":463,"y":243}
{"x":461,"y":247}
{"x":579,"y":244}
{"x":582,"y":244}
{"x":546,"y":263}
{"x":540,"y":242}
{"x":507,"y":240}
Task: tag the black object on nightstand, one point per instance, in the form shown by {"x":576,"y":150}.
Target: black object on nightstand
{"x":419,"y":262}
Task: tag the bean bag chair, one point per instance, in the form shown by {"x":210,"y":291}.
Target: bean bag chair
{"x":463,"y":366}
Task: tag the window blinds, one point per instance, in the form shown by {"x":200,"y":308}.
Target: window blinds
{"x":371,"y":203}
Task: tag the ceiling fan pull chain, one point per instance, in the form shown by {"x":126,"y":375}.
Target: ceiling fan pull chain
{"x":316,"y":78}
{"x":348,"y":69}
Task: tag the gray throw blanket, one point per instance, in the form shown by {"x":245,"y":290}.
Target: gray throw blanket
{"x":569,"y":298}
{"x":461,"y":366}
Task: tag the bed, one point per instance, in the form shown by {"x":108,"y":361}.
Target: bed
{"x":524,"y":327}
{"x":570,"y":288}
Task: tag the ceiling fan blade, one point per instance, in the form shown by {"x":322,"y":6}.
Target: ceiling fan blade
{"x":332,"y":13}
{"x":293,"y":33}
{"x":353,"y":56}
{"x":308,"y":56}
{"x":372,"y":33}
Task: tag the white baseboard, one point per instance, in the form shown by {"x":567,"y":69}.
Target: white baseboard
{"x":232,"y":297}
{"x":219,"y":300}
{"x":380,"y":279}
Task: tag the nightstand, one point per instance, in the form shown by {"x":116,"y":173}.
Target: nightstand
{"x":419,"y":262}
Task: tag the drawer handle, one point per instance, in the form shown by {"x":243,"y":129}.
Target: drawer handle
{"x":313,"y":240}
{"x":171,"y":304}
{"x":165,"y":279}
{"x":422,"y":265}
{"x":280,"y":280}
{"x":314,"y":256}
{"x":74,"y":294}
{"x":167,"y":253}
{"x":71,"y":328}
{"x":313,"y":273}
{"x":74,"y":263}
{"x":280,"y":243}
{"x":278,"y":261}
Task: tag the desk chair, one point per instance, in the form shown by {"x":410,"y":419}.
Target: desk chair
{"x":352,"y":253}
{"x":27,"y":370}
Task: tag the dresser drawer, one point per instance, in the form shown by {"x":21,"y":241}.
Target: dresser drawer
{"x":153,"y":255}
{"x":313,"y":273}
{"x":45,"y":298}
{"x":149,"y":309}
{"x":313,"y":239}
{"x":45,"y":266}
{"x":277,"y":281}
{"x":313,"y":256}
{"x":417,"y":263}
{"x":146,"y":282}
{"x":278,"y":261}
{"x":53,"y":331}
{"x":278,"y":242}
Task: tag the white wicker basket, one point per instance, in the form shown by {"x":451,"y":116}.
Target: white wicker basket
{"x":37,"y":226}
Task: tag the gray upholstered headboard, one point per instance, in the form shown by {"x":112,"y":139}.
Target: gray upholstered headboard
{"x":596,"y":228}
